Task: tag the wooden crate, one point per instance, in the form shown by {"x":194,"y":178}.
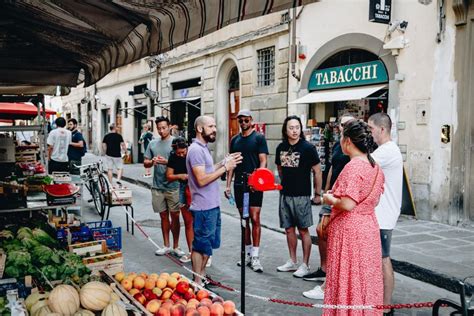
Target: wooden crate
{"x":3,"y":258}
{"x":25,"y":156}
{"x":111,"y":263}
{"x":91,"y":247}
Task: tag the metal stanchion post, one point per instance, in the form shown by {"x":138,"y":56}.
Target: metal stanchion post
{"x":243,"y":220}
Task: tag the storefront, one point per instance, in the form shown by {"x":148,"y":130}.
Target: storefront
{"x":351,"y":82}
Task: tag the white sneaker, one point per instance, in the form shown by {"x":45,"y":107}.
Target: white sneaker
{"x":209,"y":262}
{"x":185,"y":258}
{"x":316,"y":294}
{"x":302,"y":271}
{"x":178,"y":252}
{"x":163,"y":251}
{"x":256,"y":265}
{"x":248,"y":261}
{"x":288,"y":266}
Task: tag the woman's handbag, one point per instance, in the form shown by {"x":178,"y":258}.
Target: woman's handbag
{"x":323,"y":226}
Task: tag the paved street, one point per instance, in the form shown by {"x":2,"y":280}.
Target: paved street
{"x":139,"y":256}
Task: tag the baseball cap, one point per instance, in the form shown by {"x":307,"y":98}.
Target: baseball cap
{"x":244,"y":113}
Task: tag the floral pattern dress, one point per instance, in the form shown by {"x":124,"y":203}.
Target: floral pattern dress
{"x":354,"y":270}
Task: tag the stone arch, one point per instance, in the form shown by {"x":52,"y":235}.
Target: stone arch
{"x":221,"y":112}
{"x":348,"y":41}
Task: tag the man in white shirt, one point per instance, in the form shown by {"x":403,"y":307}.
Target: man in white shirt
{"x":58,"y":144}
{"x":389,"y":157}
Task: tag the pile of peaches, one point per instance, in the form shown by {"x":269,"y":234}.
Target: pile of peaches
{"x":172,"y":295}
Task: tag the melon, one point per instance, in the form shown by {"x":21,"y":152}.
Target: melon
{"x":84,"y":312}
{"x":33,"y":298}
{"x":64,"y":299}
{"x":38,"y":305}
{"x":95,"y":296}
{"x":43,"y":311}
{"x":114,"y":309}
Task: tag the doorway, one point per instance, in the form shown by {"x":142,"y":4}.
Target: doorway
{"x":89,"y":125}
{"x":140,"y":120}
{"x":118,"y":116}
{"x":105,"y":121}
{"x":233,"y":102}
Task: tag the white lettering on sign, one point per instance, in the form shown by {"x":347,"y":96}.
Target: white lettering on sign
{"x":366,"y":72}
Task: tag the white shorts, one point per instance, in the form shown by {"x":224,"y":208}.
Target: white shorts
{"x":113,"y":162}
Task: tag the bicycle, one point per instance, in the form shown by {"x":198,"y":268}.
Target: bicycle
{"x":97,"y":185}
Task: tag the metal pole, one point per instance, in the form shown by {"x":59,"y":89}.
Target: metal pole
{"x":243,"y":220}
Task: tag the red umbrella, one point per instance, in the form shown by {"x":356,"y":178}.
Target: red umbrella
{"x":20,"y":110}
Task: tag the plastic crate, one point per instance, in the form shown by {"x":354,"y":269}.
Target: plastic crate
{"x":104,"y":231}
{"x":82,"y":234}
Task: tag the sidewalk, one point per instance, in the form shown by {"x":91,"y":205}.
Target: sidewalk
{"x":435,"y":253}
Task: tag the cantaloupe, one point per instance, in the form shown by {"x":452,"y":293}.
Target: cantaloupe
{"x":114,"y":309}
{"x":95,"y":296}
{"x":64,"y":299}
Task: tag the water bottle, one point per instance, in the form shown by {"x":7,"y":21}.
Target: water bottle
{"x":231,"y":199}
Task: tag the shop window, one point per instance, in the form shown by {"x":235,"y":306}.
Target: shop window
{"x":266,"y":66}
{"x":79,"y":114}
{"x":125,"y":105}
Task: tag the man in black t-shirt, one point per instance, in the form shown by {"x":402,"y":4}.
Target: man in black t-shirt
{"x":113,"y":145}
{"x":254,"y":150}
{"x":295,"y":159}
{"x":76,"y":148}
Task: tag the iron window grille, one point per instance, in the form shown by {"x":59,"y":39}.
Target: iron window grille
{"x":266,"y":66}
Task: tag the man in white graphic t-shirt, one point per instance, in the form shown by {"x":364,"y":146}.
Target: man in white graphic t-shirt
{"x":58,"y":144}
{"x":389,"y":157}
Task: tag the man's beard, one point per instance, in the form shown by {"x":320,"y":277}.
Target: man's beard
{"x":246,"y":128}
{"x":210,"y":138}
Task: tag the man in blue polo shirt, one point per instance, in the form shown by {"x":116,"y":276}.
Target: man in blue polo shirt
{"x":205,"y":205}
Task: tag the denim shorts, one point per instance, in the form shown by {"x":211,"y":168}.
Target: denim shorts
{"x":386,"y":237}
{"x":182,"y":193}
{"x":207,"y":230}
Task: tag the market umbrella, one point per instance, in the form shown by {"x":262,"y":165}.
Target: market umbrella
{"x":18,"y":111}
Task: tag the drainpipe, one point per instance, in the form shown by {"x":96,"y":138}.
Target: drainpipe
{"x":293,"y":45}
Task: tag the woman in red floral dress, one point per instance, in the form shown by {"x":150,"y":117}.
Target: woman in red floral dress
{"x":354,"y":271}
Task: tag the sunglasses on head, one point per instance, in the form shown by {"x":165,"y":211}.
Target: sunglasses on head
{"x":241,"y":120}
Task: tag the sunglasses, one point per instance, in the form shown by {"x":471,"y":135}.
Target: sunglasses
{"x":244,"y":120}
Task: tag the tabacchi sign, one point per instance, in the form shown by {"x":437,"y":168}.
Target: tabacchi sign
{"x":348,"y":76}
{"x":379,"y":11}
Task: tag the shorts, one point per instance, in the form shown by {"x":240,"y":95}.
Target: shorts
{"x":386,"y":238}
{"x":255,"y":198}
{"x":207,"y":230}
{"x":295,"y":211}
{"x":113,"y":162}
{"x":183,"y":200}
{"x":165,"y":200}
{"x":72,"y":166}
{"x":58,"y":166}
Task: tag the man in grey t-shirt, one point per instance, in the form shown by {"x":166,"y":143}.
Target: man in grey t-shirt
{"x":165,"y":195}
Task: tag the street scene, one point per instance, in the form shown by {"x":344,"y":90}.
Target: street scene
{"x":221,"y":157}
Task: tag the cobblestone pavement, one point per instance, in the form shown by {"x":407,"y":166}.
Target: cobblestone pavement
{"x":139,"y":256}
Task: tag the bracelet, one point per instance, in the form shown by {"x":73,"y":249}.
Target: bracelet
{"x":318,"y":194}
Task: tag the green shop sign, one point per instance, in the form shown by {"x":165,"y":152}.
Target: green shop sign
{"x":348,"y":76}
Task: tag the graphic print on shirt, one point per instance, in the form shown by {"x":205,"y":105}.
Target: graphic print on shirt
{"x":290,"y":159}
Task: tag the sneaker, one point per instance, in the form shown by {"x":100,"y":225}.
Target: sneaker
{"x":288,"y":266}
{"x":209,"y":262}
{"x":256,"y":265}
{"x":185,"y":258}
{"x":318,"y":275}
{"x":248,"y":261}
{"x":147,"y":176}
{"x":163,"y":251}
{"x":178,"y":252}
{"x":303,"y":270}
{"x":316,"y":294}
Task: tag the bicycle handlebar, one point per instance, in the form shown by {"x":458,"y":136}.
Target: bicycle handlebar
{"x":89,"y":164}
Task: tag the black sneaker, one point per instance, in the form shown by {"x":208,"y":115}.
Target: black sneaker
{"x":318,"y":275}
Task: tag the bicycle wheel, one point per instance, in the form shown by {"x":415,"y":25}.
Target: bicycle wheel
{"x":105,"y":193}
{"x":97,"y":197}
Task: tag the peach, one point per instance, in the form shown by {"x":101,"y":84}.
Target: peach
{"x":139,"y":283}
{"x":134,"y":291}
{"x":150,"y":284}
{"x":205,"y":302}
{"x":177,"y":310}
{"x":167,"y":292}
{"x":143,"y":275}
{"x":182,"y":302}
{"x":217,"y":309}
{"x":229,"y":307}
{"x":131,"y":276}
{"x":165,"y":275}
{"x":153,"y":306}
{"x":161,"y":283}
{"x":172,"y":282}
{"x":191,"y":312}
{"x":120,"y":276}
{"x":176,"y":275}
{"x":218,"y":299}
{"x":202,"y":294}
{"x":157,"y":291}
{"x":204,"y":311}
{"x":127,"y":284}
{"x":153,"y":276}
{"x":140,"y":297}
{"x":167,"y":304}
{"x":163,"y":312}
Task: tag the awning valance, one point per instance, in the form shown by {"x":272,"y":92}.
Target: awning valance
{"x":355,"y":93}
{"x":67,"y":42}
{"x":180,"y":100}
{"x":19,"y":111}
